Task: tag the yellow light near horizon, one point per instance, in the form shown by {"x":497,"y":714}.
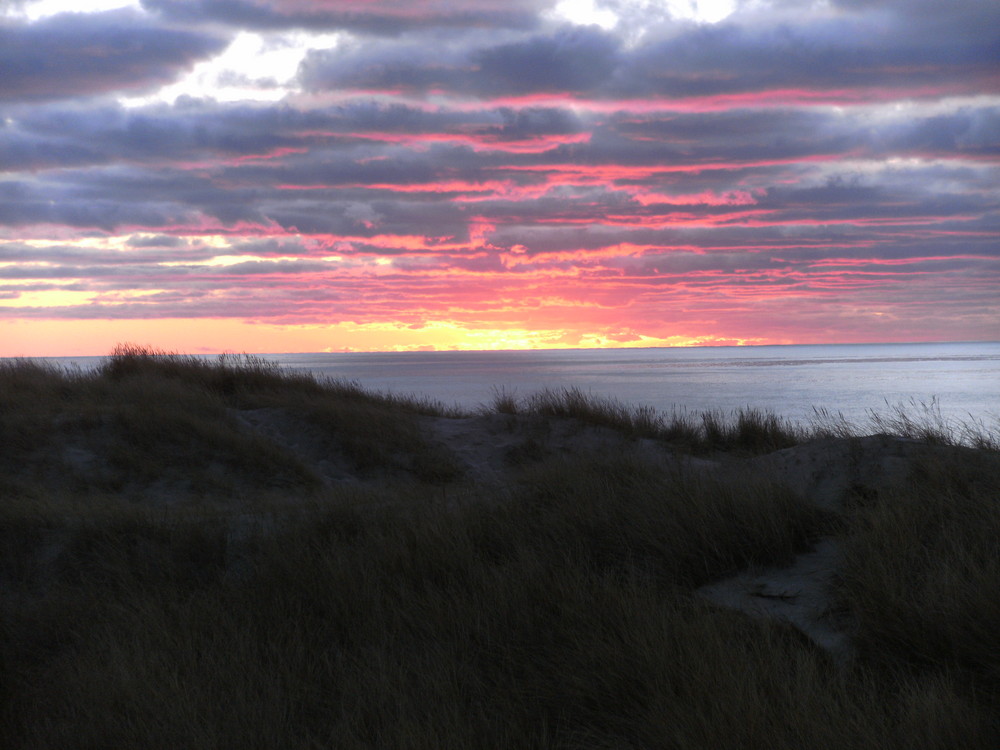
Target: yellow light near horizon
{"x":230,"y":260}
{"x":48,"y":298}
{"x":74,"y":337}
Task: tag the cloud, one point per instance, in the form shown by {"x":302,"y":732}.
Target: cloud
{"x":831,"y":57}
{"x":836,"y":56}
{"x":386,"y":17}
{"x":75,"y":55}
{"x":567,"y":59}
{"x":344,"y":170}
{"x":795,"y":165}
{"x":572,"y":59}
{"x":190,"y":130}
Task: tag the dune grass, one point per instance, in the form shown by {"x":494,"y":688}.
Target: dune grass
{"x":749,"y":430}
{"x":145,"y":418}
{"x":556,"y":611}
{"x":915,"y":420}
{"x":922,"y":569}
{"x":561,"y":617}
{"x":248,"y":379}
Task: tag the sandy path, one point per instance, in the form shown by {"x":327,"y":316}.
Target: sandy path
{"x":829,"y":473}
{"x":800,"y":594}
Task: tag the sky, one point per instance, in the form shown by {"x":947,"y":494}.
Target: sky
{"x":368,"y":175}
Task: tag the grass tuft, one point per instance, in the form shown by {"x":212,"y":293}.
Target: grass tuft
{"x":572,"y":403}
{"x":748,"y":430}
{"x":505,"y":402}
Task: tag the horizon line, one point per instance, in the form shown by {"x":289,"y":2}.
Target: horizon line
{"x":523,"y":349}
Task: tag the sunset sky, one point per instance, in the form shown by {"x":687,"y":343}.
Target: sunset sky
{"x":337,"y":175}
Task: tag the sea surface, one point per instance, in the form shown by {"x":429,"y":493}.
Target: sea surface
{"x":960,"y":380}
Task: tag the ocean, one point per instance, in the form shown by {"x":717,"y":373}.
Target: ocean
{"x":962,"y":380}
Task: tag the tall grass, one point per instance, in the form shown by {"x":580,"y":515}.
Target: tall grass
{"x":915,"y":420}
{"x":748,"y":429}
{"x":149,"y":421}
{"x":246,"y":378}
{"x":556,"y":611}
{"x":560,"y":617}
{"x":922,"y":568}
{"x":228,"y":374}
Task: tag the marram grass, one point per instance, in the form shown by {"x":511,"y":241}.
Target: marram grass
{"x":554,"y":611}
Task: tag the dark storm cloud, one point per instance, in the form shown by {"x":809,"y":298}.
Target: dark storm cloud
{"x":252,"y":191}
{"x":437,"y":222}
{"x":53,"y":136}
{"x":107,"y":215}
{"x":901,"y":44}
{"x":863,"y":52}
{"x":255,"y":191}
{"x":387,"y":17}
{"x":786,"y":131}
{"x":398,"y":166}
{"x":533,"y":121}
{"x":958,"y":234}
{"x":393,"y":65}
{"x":112,"y":198}
{"x":826,"y":55}
{"x":161,"y":240}
{"x":270,"y":246}
{"x":970,"y":131}
{"x":568,"y":60}
{"x":76,"y":55}
{"x":967,"y":17}
{"x":571,"y":59}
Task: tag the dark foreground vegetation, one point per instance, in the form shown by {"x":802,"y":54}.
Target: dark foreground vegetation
{"x":173,"y":576}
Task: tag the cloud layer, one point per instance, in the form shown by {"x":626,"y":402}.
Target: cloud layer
{"x":451,"y":172}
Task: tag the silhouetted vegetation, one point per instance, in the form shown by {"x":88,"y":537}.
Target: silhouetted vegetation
{"x":217,"y":553}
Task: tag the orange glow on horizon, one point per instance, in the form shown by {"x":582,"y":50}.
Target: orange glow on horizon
{"x":79,"y":338}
